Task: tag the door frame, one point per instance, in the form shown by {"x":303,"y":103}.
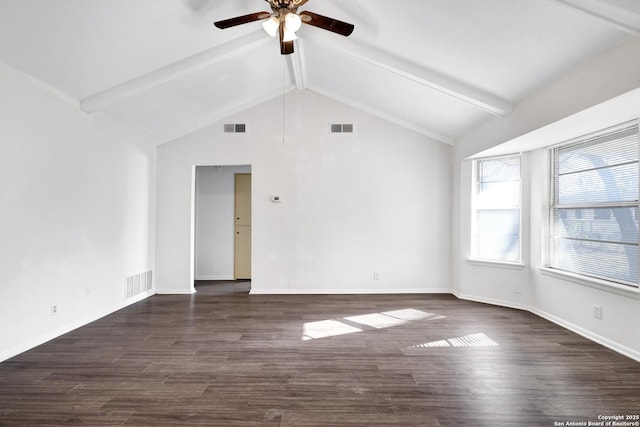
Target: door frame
{"x":193,"y":231}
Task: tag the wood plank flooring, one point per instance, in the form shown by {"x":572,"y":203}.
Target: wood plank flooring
{"x":222,"y":357}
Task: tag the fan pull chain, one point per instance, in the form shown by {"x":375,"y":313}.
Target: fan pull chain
{"x":283,"y":94}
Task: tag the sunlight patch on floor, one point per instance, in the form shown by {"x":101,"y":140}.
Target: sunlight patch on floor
{"x":376,"y":320}
{"x":326,"y":328}
{"x":474,"y":340}
{"x":387,"y":319}
{"x":351,"y":324}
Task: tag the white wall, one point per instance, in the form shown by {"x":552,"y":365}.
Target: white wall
{"x":607,"y":77}
{"x":214,"y":238}
{"x":76,"y":213}
{"x":378,"y":200}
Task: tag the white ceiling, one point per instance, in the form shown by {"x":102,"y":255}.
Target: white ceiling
{"x":439,"y":67}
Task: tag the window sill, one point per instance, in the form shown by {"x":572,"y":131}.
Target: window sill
{"x":497,"y":264}
{"x":603,"y":285}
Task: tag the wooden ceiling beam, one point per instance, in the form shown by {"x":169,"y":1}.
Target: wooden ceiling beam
{"x":446,"y":84}
{"x":621,"y":18}
{"x":179,"y":69}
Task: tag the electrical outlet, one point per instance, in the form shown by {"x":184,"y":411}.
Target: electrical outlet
{"x":597,"y":311}
{"x":54,"y":309}
{"x":376,"y":275}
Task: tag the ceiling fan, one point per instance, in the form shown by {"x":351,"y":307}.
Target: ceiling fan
{"x":285,"y":21}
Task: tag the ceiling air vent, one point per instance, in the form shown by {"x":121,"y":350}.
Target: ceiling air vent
{"x":235,"y":128}
{"x":341,"y":127}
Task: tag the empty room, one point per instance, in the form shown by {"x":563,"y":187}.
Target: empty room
{"x":319,"y":212}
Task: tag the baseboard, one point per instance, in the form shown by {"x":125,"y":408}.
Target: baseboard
{"x":137,"y":298}
{"x":39,"y":340}
{"x":347,"y":291}
{"x":625,"y":351}
{"x":501,"y":303}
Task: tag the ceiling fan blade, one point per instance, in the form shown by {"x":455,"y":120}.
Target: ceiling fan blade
{"x":326,"y":23}
{"x":239,"y":20}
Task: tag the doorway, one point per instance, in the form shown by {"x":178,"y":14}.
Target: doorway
{"x":214,"y":223}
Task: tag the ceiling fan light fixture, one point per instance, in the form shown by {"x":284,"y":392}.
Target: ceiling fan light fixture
{"x":292,"y":22}
{"x":271,"y":26}
{"x":289,"y":36}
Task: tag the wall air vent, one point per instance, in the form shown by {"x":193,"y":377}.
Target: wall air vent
{"x":138,"y":283}
{"x":341,"y":128}
{"x":235,"y":128}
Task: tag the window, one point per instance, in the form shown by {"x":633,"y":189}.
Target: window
{"x":593,"y":214}
{"x":496,"y":207}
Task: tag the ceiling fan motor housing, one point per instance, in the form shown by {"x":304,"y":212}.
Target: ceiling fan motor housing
{"x":280,"y":5}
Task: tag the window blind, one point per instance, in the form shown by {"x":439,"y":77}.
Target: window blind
{"x":594,"y":205}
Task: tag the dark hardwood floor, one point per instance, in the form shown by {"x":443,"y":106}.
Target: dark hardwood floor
{"x":222,"y":357}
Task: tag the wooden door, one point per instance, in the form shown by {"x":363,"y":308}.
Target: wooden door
{"x":242,"y":247}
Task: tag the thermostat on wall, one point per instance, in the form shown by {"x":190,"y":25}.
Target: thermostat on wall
{"x":275,"y":199}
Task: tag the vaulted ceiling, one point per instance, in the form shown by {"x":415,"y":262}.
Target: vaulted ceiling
{"x":438,"y":67}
